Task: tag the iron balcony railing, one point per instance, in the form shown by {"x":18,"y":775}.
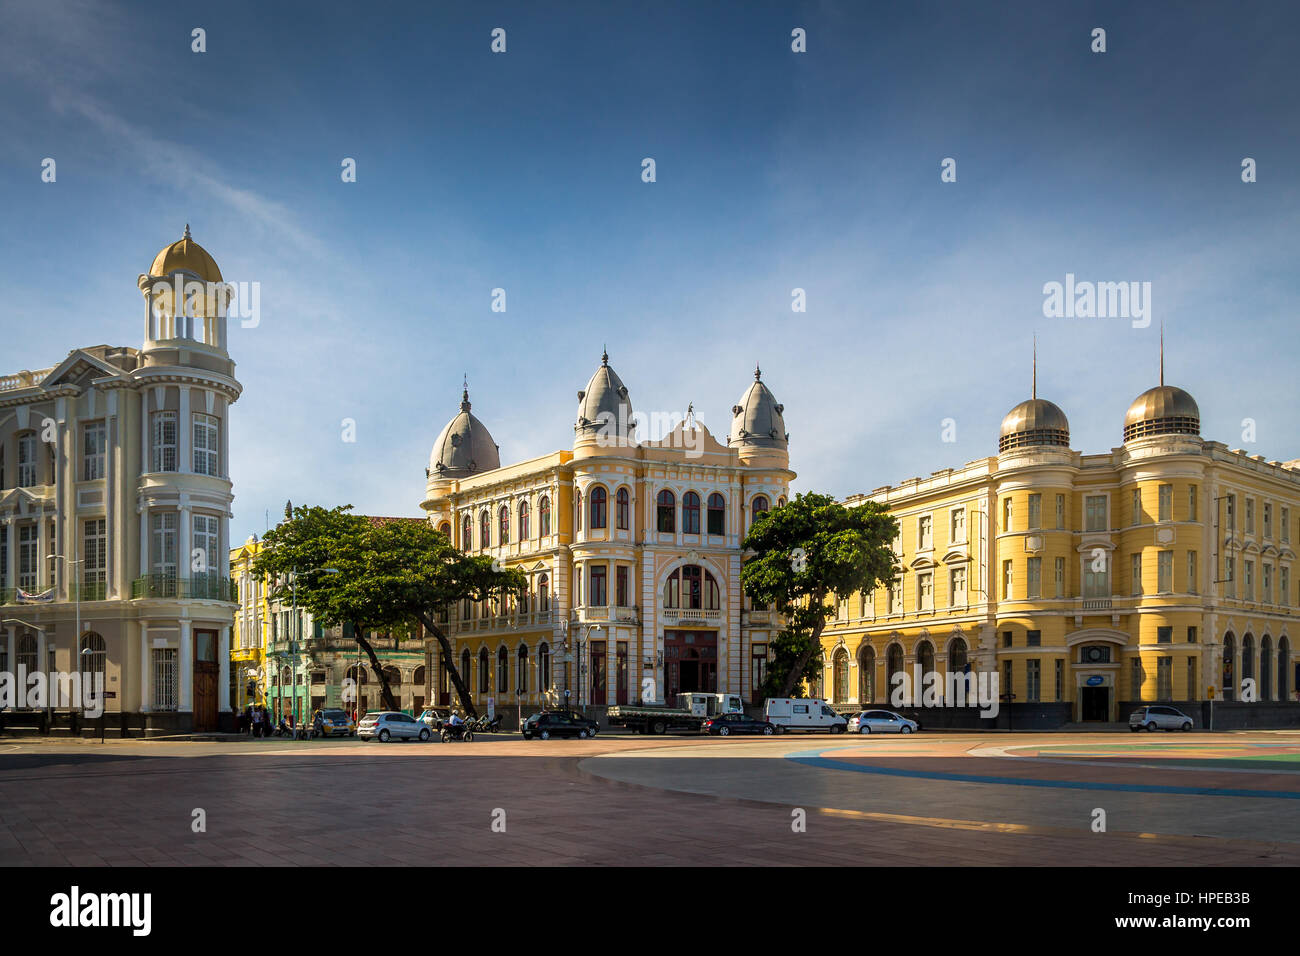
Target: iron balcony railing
{"x":207,"y":587}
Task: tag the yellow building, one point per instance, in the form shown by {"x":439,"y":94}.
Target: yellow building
{"x":252,"y":624}
{"x":632,"y":550}
{"x":1161,"y":570}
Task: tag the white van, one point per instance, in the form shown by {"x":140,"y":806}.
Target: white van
{"x":803,"y":713}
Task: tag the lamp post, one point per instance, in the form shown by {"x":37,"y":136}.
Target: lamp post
{"x":77,"y":601}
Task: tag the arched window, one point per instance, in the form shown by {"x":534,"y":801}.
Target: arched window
{"x":1229,"y":675}
{"x":94,"y":661}
{"x":544,"y":516}
{"x":521,"y":669}
{"x":543,"y":667}
{"x":925,"y":656}
{"x":467,"y":534}
{"x":466,"y":675}
{"x":1248,"y":658}
{"x":445,"y":530}
{"x":543,"y":593}
{"x":418,"y":677}
{"x":598,"y":508}
{"x":780,"y":502}
{"x":484,"y":530}
{"x":866,"y":675}
{"x":523,"y":520}
{"x":394,"y":677}
{"x":667,"y":512}
{"x":690,"y":513}
{"x":690,"y":587}
{"x":358,"y":675}
{"x":577,"y":503}
{"x":758,"y":506}
{"x":893,"y":664}
{"x":503,"y":671}
{"x":840,"y":676}
{"x":503,"y":519}
{"x":1284,"y":687}
{"x":717,"y":514}
{"x":1265,"y":668}
{"x":958,"y":662}
{"x":622,"y":509}
{"x":484,"y":671}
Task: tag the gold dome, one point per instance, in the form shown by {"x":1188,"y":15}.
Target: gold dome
{"x":186,"y":255}
{"x":1034,"y":422}
{"x":1163,"y":410}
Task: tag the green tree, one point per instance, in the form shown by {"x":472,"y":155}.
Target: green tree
{"x":811,"y":549}
{"x":378,"y":576}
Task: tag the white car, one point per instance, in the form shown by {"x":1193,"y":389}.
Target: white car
{"x":1158,"y":717}
{"x":386,"y":725}
{"x":881,"y":722}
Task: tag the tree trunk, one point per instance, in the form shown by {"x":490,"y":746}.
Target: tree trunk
{"x":384,"y":691}
{"x":462,"y":691}
{"x":796,"y":671}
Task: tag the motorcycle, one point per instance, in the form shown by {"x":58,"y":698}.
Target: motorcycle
{"x":462,"y":731}
{"x":494,"y":725}
{"x":284,"y":730}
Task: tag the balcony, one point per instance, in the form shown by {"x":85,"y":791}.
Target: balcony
{"x":87,"y":591}
{"x":501,"y":622}
{"x":600,"y":614}
{"x":1095,"y":604}
{"x":683,"y":615}
{"x":204,"y":588}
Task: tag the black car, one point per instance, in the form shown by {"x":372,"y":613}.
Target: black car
{"x":558,"y":723}
{"x":726,"y":724}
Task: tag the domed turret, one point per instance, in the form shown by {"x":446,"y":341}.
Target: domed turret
{"x":756,"y":420}
{"x":1163,"y":410}
{"x":186,"y":255}
{"x":185,"y":298}
{"x":465,"y":447}
{"x":1034,"y":422}
{"x":604,"y":409}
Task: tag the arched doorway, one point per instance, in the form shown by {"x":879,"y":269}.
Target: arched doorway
{"x":925,"y":657}
{"x":1266,"y":668}
{"x":893,"y":665}
{"x":1284,"y":682}
{"x":866,"y":675}
{"x":840,"y":676}
{"x":1248,"y":661}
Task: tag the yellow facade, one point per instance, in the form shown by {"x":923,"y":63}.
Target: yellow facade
{"x":252,"y":625}
{"x":1088,"y":583}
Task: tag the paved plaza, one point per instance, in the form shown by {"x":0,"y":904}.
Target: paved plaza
{"x":929,"y":799}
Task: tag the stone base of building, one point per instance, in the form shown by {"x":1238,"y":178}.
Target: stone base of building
{"x":62,"y":723}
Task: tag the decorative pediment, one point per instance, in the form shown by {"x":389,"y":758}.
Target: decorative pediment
{"x":79,"y":369}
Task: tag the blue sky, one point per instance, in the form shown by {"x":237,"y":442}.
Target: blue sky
{"x":775,"y":170}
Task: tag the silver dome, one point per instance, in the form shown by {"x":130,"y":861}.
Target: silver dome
{"x":603,"y":406}
{"x":757,"y":419}
{"x":465,"y":447}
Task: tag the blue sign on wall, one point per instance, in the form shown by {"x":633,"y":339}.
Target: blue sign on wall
{"x":1096,"y":680}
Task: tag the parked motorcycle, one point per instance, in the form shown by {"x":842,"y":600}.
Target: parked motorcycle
{"x":494,"y":725}
{"x":463,"y":731}
{"x":284,"y":730}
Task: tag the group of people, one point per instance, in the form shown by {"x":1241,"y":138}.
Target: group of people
{"x":258,"y":721}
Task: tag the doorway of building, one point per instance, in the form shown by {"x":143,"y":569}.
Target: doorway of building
{"x":690,"y":663}
{"x":1095,"y":703}
{"x":206,"y":674}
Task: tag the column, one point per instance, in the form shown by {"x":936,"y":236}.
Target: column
{"x":11,"y":551}
{"x":110,"y":494}
{"x":186,"y":666}
{"x":146,"y":432}
{"x":10,"y":661}
{"x":223,"y":431}
{"x":184,"y":433}
{"x":146,"y":685}
{"x":184,"y":543}
{"x":223,"y":678}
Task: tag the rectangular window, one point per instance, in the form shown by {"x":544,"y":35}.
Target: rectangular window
{"x":28,"y":568}
{"x":896,"y":597}
{"x":1033,"y":679}
{"x":1250,"y":516}
{"x":621,"y":588}
{"x":1248,"y":583}
{"x":1006,"y":514}
{"x":1268,"y":520}
{"x":1136,"y":583}
{"x":1136,"y":679}
{"x":1060,"y":512}
{"x":1059,"y":572}
{"x":1285,"y":524}
{"x":1136,"y":510}
{"x":163,"y":528}
{"x":1229,"y":577}
{"x":1193,"y":688}
{"x":598,"y":572}
{"x":957,"y":587}
{"x":924,"y":533}
{"x":1165,"y":572}
{"x":1060,"y":679}
{"x":1034,"y":579}
{"x":1166,"y":503}
{"x":1191,"y":502}
{"x":1033,"y":638}
{"x":1164,"y":635}
{"x":94,"y":551}
{"x":163,"y":429}
{"x":958,"y":525}
{"x":1035,"y":512}
{"x":757,"y":670}
{"x":1266,"y":584}
{"x":1096,"y":576}
{"x":26,"y":460}
{"x":1191,"y":634}
{"x":207,"y":457}
{"x":1006,"y":580}
{"x":1007,"y":638}
{"x":925,"y":591}
{"x":94,"y":441}
{"x":622,"y":672}
{"x":4,"y":567}
{"x":1192,"y":583}
{"x":1095,"y":508}
{"x":165,"y":688}
{"x":205,"y":554}
{"x":1008,"y":674}
{"x":1165,"y":678}
{"x":1284,"y":587}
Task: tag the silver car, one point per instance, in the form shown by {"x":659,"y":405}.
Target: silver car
{"x":1158,"y":717}
{"x":881,"y":722}
{"x":386,"y":725}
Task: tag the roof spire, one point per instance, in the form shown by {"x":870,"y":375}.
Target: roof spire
{"x":1162,"y":352}
{"x":1034,"y":390}
{"x":464,"y":394}
{"x":758,"y":373}
{"x":187,"y":231}
{"x":604,"y":355}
